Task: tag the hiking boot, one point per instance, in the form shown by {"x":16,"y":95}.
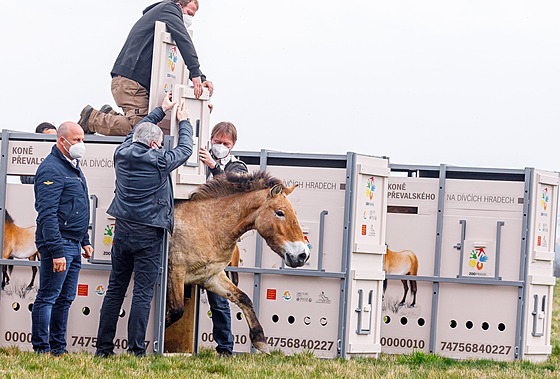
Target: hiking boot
{"x":106,"y":109}
{"x":84,"y":118}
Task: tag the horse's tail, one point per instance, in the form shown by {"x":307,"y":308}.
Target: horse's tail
{"x":8,"y":218}
{"x":413,"y":263}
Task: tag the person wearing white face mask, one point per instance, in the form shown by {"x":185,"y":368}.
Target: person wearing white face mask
{"x":132,"y":70}
{"x":219,"y":161}
{"x":62,"y":204}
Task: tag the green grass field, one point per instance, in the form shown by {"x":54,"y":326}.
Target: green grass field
{"x":17,"y":364}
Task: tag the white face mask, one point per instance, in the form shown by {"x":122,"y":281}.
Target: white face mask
{"x":220,"y":151}
{"x":76,"y":150}
{"x":187,"y":19}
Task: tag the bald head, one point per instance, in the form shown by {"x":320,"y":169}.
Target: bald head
{"x":68,"y":134}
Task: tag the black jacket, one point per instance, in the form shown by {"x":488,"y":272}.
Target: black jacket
{"x":235,"y":165}
{"x":135,"y":59}
{"x":143,"y":188}
{"x":62,"y":204}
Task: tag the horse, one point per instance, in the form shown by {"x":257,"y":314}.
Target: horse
{"x":402,"y":263}
{"x":207,"y":227}
{"x":18,"y":243}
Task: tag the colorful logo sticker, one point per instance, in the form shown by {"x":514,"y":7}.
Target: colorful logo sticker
{"x":478,"y":258}
{"x":544,"y":198}
{"x":172,"y":58}
{"x":100,"y":290}
{"x":287,"y":295}
{"x":108,"y":235}
{"x":370,"y":188}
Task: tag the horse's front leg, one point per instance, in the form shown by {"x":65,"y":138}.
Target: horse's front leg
{"x":221,"y":285}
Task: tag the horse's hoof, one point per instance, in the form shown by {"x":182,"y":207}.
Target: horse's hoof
{"x":262,"y":347}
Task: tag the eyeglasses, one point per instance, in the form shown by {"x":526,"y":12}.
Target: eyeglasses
{"x":158,"y":145}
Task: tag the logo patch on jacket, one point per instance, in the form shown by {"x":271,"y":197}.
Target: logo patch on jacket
{"x":48,"y":182}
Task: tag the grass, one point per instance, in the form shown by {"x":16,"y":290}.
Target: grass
{"x":207,"y":364}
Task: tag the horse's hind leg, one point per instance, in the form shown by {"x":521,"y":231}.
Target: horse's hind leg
{"x":175,"y":305}
{"x":34,"y":273}
{"x":5,"y":277}
{"x":405,"y":285}
{"x":221,"y":285}
{"x":413,"y":289}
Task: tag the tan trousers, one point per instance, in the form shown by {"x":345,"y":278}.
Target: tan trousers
{"x":132,"y":98}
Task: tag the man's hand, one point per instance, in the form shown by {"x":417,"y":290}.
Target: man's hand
{"x":197,"y":87}
{"x":167,"y":103}
{"x":182,"y":113}
{"x":206,"y":158}
{"x":208,"y":84}
{"x":88,"y":251}
{"x":59,"y":264}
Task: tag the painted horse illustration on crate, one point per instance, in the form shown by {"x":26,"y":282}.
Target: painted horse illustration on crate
{"x":402,"y":262}
{"x":18,"y":243}
{"x":207,"y":227}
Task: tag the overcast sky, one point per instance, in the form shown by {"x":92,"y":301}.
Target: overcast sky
{"x":470,"y":83}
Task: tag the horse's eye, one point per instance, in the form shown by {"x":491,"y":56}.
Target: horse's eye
{"x":280,"y":213}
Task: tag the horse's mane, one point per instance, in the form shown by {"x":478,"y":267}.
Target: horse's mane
{"x":234,"y":183}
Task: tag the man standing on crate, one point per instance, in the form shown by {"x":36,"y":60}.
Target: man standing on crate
{"x":132,"y":71}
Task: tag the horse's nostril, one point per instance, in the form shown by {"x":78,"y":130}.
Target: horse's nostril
{"x":303,"y":257}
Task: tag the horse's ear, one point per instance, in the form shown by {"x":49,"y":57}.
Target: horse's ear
{"x":289,"y":190}
{"x":276,"y":190}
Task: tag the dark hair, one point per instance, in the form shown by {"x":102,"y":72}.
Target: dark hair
{"x":44,"y":126}
{"x":225,"y":127}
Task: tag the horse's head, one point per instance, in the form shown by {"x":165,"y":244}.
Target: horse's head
{"x":277,"y":223}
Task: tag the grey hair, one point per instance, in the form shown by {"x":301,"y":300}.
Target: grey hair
{"x":147,"y":132}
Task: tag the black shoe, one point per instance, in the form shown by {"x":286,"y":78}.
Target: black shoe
{"x":103,"y":354}
{"x":84,"y":118}
{"x":225,"y":354}
{"x":58,"y":353}
{"x":106,"y":109}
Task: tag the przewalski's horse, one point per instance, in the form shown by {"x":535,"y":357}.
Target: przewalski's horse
{"x":402,"y":263}
{"x":18,"y":243}
{"x":207,"y":228}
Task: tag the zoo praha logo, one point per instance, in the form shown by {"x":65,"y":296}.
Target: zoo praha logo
{"x":544,"y":198}
{"x":478,"y":258}
{"x":370,"y":188}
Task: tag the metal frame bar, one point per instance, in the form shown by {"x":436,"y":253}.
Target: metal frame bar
{"x":437,"y":258}
{"x":346,"y":255}
{"x":523,"y":265}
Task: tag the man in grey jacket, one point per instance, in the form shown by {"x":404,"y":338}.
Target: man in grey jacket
{"x":143,"y":208}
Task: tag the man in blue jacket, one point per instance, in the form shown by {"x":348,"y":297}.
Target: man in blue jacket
{"x":143,"y":208}
{"x":62,"y":204}
{"x":132,"y":71}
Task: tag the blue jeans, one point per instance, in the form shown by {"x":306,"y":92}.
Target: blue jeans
{"x":56,"y":292}
{"x":221,"y":322}
{"x":140,"y":254}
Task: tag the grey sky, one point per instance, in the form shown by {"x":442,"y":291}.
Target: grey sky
{"x":471,"y":83}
